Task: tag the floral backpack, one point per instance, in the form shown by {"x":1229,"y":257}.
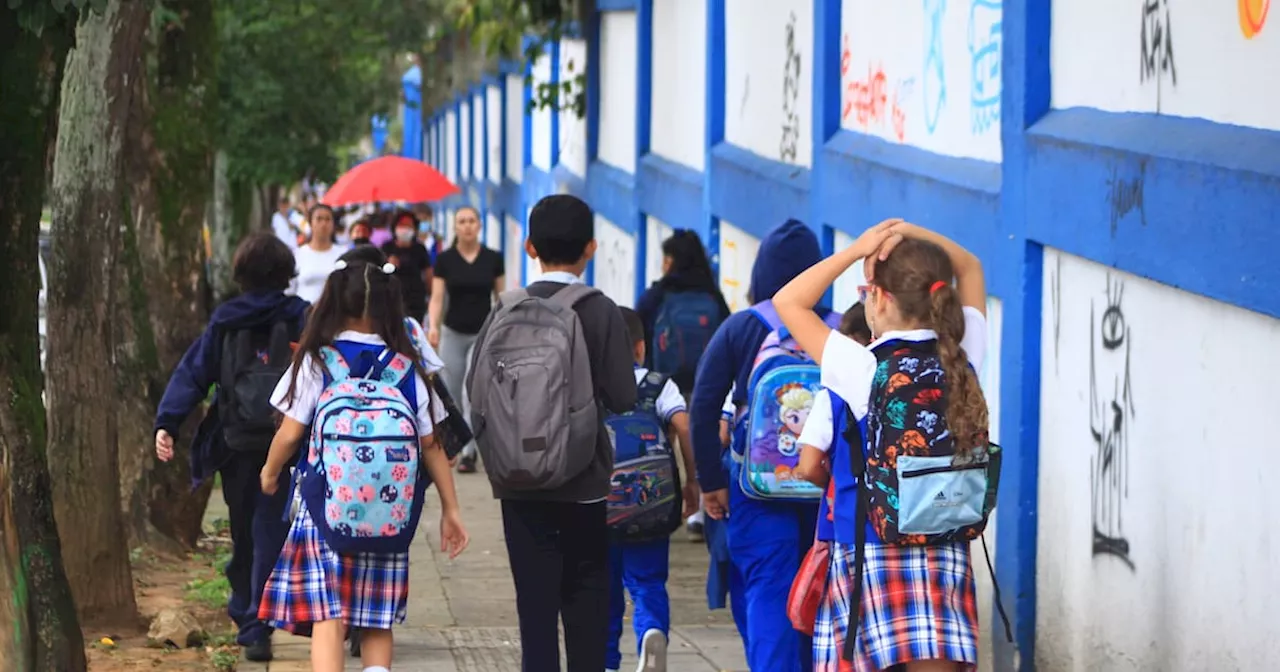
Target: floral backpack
{"x":363,"y":481}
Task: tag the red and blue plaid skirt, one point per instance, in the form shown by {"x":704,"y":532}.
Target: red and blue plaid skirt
{"x":312,"y":583}
{"x":918,"y":603}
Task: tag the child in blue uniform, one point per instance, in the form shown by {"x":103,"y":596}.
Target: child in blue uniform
{"x":641,"y":567}
{"x":767,"y":540}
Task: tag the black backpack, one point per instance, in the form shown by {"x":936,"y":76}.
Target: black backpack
{"x":253,"y":362}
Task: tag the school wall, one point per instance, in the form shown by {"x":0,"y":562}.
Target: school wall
{"x":1118,"y":183}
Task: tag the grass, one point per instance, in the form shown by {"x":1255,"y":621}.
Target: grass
{"x":225,"y":661}
{"x":212,"y":593}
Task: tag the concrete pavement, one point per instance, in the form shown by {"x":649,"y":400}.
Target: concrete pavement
{"x":462,"y":614}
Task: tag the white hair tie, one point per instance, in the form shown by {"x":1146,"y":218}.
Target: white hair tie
{"x":341,"y":265}
{"x":388,"y":268}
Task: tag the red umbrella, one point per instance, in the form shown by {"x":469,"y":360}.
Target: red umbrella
{"x":390,"y":178}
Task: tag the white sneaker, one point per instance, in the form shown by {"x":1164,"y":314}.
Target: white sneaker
{"x":653,"y":652}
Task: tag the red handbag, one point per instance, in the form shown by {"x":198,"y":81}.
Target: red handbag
{"x":809,"y":588}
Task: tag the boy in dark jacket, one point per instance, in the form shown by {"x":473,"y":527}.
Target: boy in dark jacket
{"x":557,"y":539}
{"x":255,"y":322}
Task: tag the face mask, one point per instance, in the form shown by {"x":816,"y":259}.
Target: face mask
{"x":404,"y":235}
{"x":360,"y":241}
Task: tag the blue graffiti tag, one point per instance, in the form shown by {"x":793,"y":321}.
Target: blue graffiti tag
{"x":934,"y":81}
{"x":985,"y":40}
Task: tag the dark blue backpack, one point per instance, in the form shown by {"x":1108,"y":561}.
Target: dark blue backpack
{"x":644,"y":496}
{"x":685,"y":323}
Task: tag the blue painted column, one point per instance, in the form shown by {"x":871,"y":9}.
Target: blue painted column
{"x":644,"y":130}
{"x":1025,"y":98}
{"x":526,"y":157}
{"x":411,"y":114}
{"x":826,"y":113}
{"x":714,"y":123}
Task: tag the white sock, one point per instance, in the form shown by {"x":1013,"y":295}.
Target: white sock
{"x":376,"y":668}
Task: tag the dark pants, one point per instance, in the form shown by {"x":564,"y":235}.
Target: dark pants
{"x":559,"y":555}
{"x":258,"y":531}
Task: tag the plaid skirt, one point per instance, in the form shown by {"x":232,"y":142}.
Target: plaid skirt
{"x":918,"y":603}
{"x":312,"y":583}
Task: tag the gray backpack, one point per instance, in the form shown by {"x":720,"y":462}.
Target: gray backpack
{"x":533,"y":402}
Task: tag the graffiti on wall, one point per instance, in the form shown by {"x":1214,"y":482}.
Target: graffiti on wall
{"x":790,"y":144}
{"x":869,"y":101}
{"x":1157,"y":42}
{"x":934,"y":76}
{"x":985,"y":42}
{"x":1111,"y":410}
{"x":1253,"y":15}
{"x":1124,"y":197}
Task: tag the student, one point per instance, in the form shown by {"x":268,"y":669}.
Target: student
{"x":724,"y":582}
{"x":767,"y":540}
{"x":641,"y":566}
{"x":359,"y":315}
{"x":557,"y":538}
{"x":234,"y":437}
{"x":283,"y":224}
{"x":468,"y":277}
{"x":413,"y":265}
{"x":918,"y":607}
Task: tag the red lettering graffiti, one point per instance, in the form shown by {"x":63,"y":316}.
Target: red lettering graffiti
{"x":866,"y":100}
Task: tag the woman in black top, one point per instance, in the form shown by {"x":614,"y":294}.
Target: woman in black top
{"x":412,"y":262}
{"x":470,"y":276}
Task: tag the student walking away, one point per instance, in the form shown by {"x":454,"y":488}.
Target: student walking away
{"x":357,"y":392}
{"x":468,"y":276}
{"x":768,"y":532}
{"x":916,"y":388}
{"x":243,"y":352}
{"x":550,"y":362}
{"x":284,"y":225}
{"x":315,"y":260}
{"x":828,"y":469}
{"x":644,"y":506}
{"x":413,"y":265}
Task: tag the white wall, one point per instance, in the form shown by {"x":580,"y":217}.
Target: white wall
{"x":768,"y":78}
{"x":514,"y":252}
{"x":451,"y":146}
{"x":927,"y":74}
{"x":656,"y":232}
{"x":844,"y":292}
{"x":464,"y":119}
{"x":617,"y":141}
{"x":1211,"y":68}
{"x":541,"y":131}
{"x":534,"y":266}
{"x":737,"y":255}
{"x":1157,"y":544}
{"x":513,"y":117}
{"x":493,"y":122}
{"x":478,"y":150}
{"x":573,"y":129}
{"x":493,"y":231}
{"x":615,"y":262}
{"x":678,"y":102}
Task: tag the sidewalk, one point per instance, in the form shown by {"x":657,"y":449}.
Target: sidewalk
{"x":462,"y":613}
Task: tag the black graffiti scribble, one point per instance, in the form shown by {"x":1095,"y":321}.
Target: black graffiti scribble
{"x":1125,"y":196}
{"x":1157,"y":41}
{"x":789,"y":147}
{"x":1109,"y":417}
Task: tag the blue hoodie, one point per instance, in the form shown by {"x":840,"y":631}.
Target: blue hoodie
{"x":201,"y":367}
{"x":784,"y":253}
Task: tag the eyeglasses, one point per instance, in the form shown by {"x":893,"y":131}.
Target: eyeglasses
{"x":865,"y":291}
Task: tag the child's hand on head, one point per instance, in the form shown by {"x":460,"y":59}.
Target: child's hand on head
{"x":871,"y":239}
{"x":895,"y":235}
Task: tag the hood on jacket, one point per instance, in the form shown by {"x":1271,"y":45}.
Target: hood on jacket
{"x":784,"y":253}
{"x":257,"y":308}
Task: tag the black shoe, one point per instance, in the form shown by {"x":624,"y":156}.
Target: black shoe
{"x":259,"y":652}
{"x":467,"y":464}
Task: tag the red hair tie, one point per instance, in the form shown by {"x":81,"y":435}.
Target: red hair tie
{"x":937,"y":285}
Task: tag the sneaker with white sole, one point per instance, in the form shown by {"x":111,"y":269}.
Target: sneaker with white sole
{"x":653,"y":652}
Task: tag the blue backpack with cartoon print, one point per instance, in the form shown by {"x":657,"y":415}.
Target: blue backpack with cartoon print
{"x":363,"y":481}
{"x":644,"y":491}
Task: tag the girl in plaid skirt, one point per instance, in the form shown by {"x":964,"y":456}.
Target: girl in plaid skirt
{"x":918,"y":609}
{"x":313,"y":589}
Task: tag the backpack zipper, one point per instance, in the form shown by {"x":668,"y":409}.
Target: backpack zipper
{"x":938,"y":470}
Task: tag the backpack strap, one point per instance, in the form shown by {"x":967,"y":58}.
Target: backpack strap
{"x":391,"y":368}
{"x":513,"y":296}
{"x":651,"y":388}
{"x":573,"y":294}
{"x":279,"y":350}
{"x":858,"y":465}
{"x":334,"y":364}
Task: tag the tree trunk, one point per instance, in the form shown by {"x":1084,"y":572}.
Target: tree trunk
{"x":38,"y":625}
{"x":91,"y":211}
{"x":222,"y":231}
{"x":170,"y":168}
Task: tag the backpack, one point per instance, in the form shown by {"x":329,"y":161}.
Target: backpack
{"x":363,"y":480}
{"x":685,"y":323}
{"x":644,"y":496}
{"x":533,"y":406}
{"x":912,"y":487}
{"x":780,"y":392}
{"x":253,"y":361}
